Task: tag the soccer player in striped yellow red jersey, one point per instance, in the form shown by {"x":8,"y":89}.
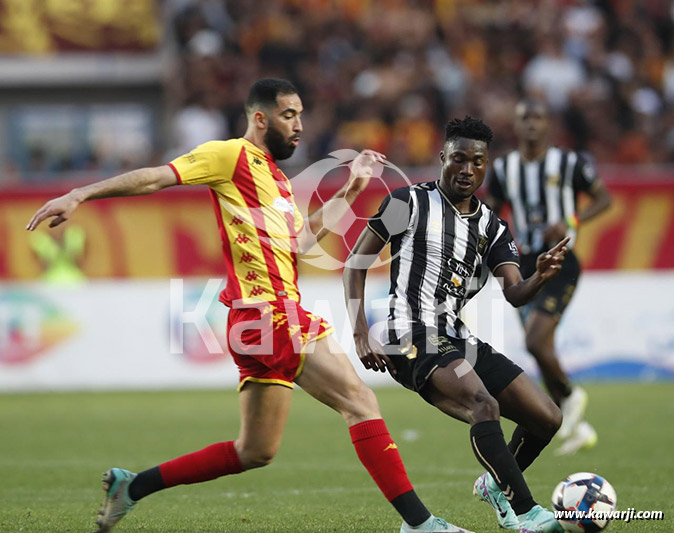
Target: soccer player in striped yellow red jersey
{"x":273,"y":340}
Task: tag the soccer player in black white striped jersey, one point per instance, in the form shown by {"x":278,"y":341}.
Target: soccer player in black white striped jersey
{"x":541,"y":183}
{"x":444,"y":241}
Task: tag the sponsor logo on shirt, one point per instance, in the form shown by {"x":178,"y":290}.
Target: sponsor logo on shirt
{"x":283,"y":205}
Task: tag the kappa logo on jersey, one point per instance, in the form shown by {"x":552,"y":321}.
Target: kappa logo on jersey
{"x":252,"y":275}
{"x":283,"y":205}
{"x":391,"y":446}
{"x":242,"y":239}
{"x":257,"y":291}
{"x":246,"y":258}
{"x":257,"y":161}
{"x":236,"y":221}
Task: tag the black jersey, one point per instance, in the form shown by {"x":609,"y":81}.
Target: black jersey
{"x":440,"y":257}
{"x":540,"y":193}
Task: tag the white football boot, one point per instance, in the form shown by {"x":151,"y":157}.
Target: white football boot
{"x":573,"y":410}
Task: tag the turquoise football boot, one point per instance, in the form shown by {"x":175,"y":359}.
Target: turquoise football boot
{"x":117,"y":501}
{"x":539,"y":520}
{"x":486,"y":489}
{"x":433,"y":525}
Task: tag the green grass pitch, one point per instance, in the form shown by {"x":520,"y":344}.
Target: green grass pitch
{"x":53,"y":448}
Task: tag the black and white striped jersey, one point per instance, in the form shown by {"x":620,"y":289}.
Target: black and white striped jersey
{"x":540,"y":193}
{"x":440,"y":257}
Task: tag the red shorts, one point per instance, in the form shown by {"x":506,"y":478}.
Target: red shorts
{"x":268,"y":342}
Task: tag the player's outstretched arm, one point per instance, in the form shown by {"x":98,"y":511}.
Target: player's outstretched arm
{"x":134,"y":183}
{"x":367,"y":249}
{"x":318,"y":224}
{"x":520,"y":291}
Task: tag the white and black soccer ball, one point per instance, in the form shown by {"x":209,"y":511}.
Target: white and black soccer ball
{"x":581,"y":494}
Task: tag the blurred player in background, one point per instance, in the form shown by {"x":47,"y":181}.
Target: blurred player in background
{"x":273,"y":340}
{"x":444,"y":242}
{"x":541,"y":183}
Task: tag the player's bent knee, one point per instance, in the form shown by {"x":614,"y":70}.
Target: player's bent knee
{"x":250,"y":461}
{"x":369,"y":399}
{"x":361,"y":404}
{"x":255,"y":458}
{"x":553,"y":421}
{"x":534,"y":345}
{"x":484,"y":407}
{"x":546,"y":422}
{"x":538,"y":346}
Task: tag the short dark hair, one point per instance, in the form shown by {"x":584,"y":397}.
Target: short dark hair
{"x":533,"y":102}
{"x":264,"y":92}
{"x":468,"y":128}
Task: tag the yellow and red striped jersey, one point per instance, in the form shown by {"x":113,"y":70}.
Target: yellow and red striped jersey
{"x":257,"y":217}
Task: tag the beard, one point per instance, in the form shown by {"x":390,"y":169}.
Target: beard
{"x":279,"y":147}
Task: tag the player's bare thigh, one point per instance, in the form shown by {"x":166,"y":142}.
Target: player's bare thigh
{"x":461,"y":394}
{"x":264,"y":411}
{"x":329,"y":376}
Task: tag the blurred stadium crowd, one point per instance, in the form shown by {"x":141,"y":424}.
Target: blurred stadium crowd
{"x":387,"y":74}
{"x":383,"y":74}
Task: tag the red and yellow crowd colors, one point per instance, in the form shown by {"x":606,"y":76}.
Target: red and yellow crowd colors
{"x":42,"y":28}
{"x":173,"y":233}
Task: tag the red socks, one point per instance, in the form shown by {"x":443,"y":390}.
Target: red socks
{"x":214,"y":461}
{"x":379,"y":454}
{"x":374,"y":446}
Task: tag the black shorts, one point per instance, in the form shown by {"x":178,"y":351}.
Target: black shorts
{"x":418,"y":355}
{"x":556,"y":293}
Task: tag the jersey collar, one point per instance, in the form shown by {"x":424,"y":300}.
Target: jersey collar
{"x":474,"y":201}
{"x":256,"y":149}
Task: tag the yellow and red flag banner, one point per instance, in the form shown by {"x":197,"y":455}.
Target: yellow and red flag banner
{"x":174,"y":233}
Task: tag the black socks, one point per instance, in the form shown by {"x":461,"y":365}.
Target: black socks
{"x":146,"y":483}
{"x":526,"y":446}
{"x":491,"y":451}
{"x":410,"y":507}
